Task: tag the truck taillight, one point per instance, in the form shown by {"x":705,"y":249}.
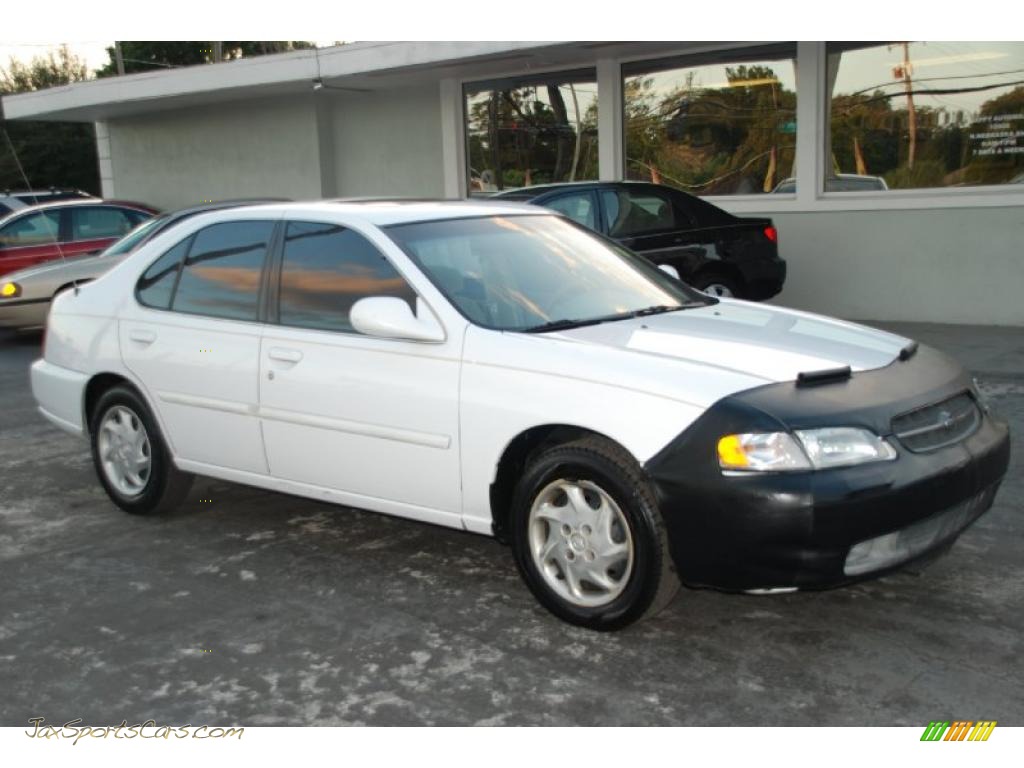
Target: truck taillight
{"x":772,"y":234}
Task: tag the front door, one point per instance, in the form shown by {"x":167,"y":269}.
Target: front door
{"x":194,"y":343}
{"x":373,"y":419}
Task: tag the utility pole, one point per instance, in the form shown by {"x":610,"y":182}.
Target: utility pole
{"x":905,"y":73}
{"x":218,"y":51}
{"x":118,"y":57}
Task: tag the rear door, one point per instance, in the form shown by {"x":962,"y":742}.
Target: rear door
{"x":29,"y":238}
{"x":193,"y":339}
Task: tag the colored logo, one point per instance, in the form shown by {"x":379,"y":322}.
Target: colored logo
{"x":961,"y":730}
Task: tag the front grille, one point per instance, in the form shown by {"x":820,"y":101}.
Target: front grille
{"x":938,"y":425}
{"x":905,"y":544}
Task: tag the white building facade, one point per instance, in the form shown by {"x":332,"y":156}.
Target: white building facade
{"x":892,"y":171}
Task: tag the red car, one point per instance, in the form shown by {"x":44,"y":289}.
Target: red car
{"x":66,"y":228}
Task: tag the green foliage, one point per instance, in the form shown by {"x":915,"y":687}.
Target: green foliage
{"x":711,"y":140}
{"x":52,"y":154}
{"x":145,"y":55}
{"x":532,"y":129}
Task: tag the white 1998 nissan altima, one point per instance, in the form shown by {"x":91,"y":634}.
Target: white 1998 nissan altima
{"x":496,"y":368}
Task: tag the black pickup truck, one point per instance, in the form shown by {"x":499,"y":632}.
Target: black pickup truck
{"x":712,"y":250}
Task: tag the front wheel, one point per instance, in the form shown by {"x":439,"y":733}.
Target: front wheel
{"x":130,"y":456}
{"x":588,"y":538}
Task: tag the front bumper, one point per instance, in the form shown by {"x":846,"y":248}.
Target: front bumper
{"x":761,"y":531}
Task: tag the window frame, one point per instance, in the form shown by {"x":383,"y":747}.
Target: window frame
{"x":276,"y":270}
{"x":22,"y":214}
{"x":587,"y":73}
{"x":633,"y":67}
{"x":261,"y":296}
{"x":128,"y":214}
{"x":812,"y":146}
{"x":928,"y":195}
{"x":591,"y":192}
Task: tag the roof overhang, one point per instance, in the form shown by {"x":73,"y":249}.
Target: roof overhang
{"x":367,"y":66}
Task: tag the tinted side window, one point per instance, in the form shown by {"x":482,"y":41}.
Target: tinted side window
{"x":637,"y":212}
{"x":326,"y":269}
{"x":97,"y":222}
{"x":221,"y":275}
{"x":692,"y":211}
{"x":156,"y":284}
{"x":34,"y":229}
{"x":579,"y":207}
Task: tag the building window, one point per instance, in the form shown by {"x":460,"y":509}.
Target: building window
{"x":914,"y":115}
{"x":722,"y":124}
{"x":533,"y":130}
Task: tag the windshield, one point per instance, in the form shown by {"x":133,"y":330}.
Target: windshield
{"x":520,"y":273}
{"x":130,"y":241}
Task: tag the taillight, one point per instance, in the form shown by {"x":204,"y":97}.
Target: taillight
{"x":772,"y":234}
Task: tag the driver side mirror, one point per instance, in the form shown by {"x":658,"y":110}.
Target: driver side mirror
{"x":668,"y":269}
{"x":391,"y":318}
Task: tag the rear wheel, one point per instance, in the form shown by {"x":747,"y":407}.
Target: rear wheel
{"x":718,"y":285}
{"x":588,"y":537}
{"x":130,"y":456}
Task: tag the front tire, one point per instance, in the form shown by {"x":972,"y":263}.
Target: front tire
{"x":130,"y":456}
{"x":588,"y":538}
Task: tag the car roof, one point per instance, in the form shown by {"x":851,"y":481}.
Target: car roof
{"x":383,"y":212}
{"x":86,"y":201}
{"x":539,"y":189}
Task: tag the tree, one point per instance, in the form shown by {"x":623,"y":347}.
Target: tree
{"x":51,"y":154}
{"x":146,"y":55}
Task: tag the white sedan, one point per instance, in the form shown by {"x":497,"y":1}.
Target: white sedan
{"x":495,"y":368}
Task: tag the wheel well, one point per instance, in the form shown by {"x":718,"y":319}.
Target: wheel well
{"x":72,"y":284}
{"x":515,"y":458}
{"x":97,"y":385}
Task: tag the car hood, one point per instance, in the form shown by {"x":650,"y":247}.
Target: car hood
{"x":769,"y":343}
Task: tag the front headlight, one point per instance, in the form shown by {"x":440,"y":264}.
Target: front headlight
{"x":809,"y":449}
{"x":9,"y":290}
{"x":844,"y":446}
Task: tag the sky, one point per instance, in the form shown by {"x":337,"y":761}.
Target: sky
{"x":93,"y":51}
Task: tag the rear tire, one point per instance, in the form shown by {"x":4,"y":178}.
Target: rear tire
{"x":718,"y":285}
{"x":131,"y":457}
{"x":588,"y":538}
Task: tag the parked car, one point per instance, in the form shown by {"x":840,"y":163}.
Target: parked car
{"x":25,"y":295}
{"x":710,"y":249}
{"x":841,"y":182}
{"x":67,"y":228}
{"x":498,"y":369}
{"x":11,"y":201}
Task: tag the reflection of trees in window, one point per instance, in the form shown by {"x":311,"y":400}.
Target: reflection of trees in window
{"x":532,"y":134}
{"x":738,"y":137}
{"x":918,"y":129}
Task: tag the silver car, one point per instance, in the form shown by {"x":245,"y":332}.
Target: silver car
{"x":25,"y":295}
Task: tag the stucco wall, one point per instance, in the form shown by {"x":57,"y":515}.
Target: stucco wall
{"x":389,"y":142}
{"x":239,"y":149}
{"x":951,"y":265}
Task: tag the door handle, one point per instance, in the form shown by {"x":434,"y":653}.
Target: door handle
{"x":143,"y":337}
{"x":285,"y":355}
